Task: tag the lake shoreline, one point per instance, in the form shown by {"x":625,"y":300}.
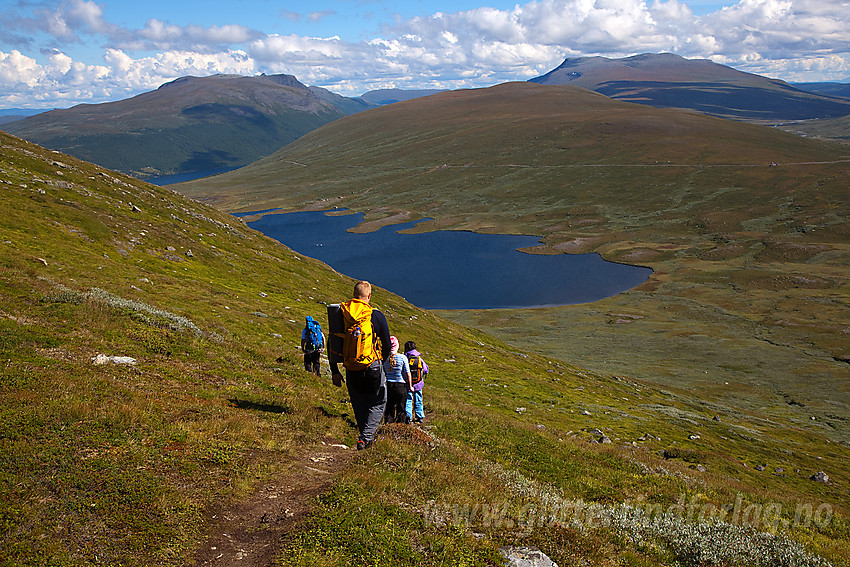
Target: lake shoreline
{"x":449,"y":269}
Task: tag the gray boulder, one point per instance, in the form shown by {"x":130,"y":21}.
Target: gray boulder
{"x":526,"y":557}
{"x":820,"y":476}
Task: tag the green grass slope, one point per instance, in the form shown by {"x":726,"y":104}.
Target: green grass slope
{"x":745,"y":226}
{"x":127,"y":464}
{"x":190,"y":124}
{"x":833,"y":129}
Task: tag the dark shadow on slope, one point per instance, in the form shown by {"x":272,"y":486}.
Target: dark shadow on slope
{"x":211,"y":112}
{"x":726,"y":100}
{"x":212,"y":159}
{"x":259,"y":406}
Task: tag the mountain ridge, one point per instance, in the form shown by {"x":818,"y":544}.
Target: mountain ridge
{"x":189,"y":124}
{"x":220,"y":122}
{"x":670,"y":81}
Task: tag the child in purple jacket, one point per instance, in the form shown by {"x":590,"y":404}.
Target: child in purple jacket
{"x":414,"y":406}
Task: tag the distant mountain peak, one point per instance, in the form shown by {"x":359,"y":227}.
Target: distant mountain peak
{"x":662,"y":66}
{"x":177,"y":81}
{"x":655,"y":57}
{"x":667,"y":80}
{"x":189,"y":124}
{"x":280,"y":79}
{"x":285,"y":80}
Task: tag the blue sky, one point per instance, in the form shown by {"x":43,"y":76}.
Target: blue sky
{"x":57,"y":53}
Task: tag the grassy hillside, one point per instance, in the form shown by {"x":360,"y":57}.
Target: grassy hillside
{"x":831,"y":89}
{"x":745,"y":226}
{"x":833,"y":129}
{"x":144,"y":464}
{"x":190,"y":124}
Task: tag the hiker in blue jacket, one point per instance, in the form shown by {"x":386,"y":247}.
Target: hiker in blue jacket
{"x":398,"y":384}
{"x":414,"y":405}
{"x":312,"y":345}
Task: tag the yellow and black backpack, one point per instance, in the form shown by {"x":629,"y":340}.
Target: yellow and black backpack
{"x":417,"y":368}
{"x":359,"y":342}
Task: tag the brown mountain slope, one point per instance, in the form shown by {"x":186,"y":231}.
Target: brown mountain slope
{"x":507,"y":127}
{"x":669,"y":81}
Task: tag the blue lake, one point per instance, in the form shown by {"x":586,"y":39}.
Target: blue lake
{"x":181,"y":177}
{"x":451,"y":269}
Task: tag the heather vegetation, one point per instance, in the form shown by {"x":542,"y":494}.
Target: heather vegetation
{"x":132,"y":464}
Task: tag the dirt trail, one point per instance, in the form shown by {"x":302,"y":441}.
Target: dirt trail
{"x":248,"y":533}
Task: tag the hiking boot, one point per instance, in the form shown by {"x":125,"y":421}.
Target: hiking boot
{"x":361,"y":444}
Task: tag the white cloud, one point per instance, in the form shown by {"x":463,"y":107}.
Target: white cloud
{"x":158,"y":35}
{"x":319,"y":16}
{"x":160,"y":32}
{"x":173,"y":64}
{"x":283,"y":49}
{"x":69,"y":20}
{"x":791,"y":39}
{"x":540,"y":29}
{"x":775,"y":29}
{"x":86,"y":15}
{"x":17,"y":71}
{"x":67,"y":81}
{"x":56,"y":25}
{"x":61,"y":80}
{"x":223,"y":35}
{"x":59,"y":62}
{"x":498,"y":25}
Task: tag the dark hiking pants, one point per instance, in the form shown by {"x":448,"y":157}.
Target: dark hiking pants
{"x":368,"y":392}
{"x":311,"y":362}
{"x":396,"y":400}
